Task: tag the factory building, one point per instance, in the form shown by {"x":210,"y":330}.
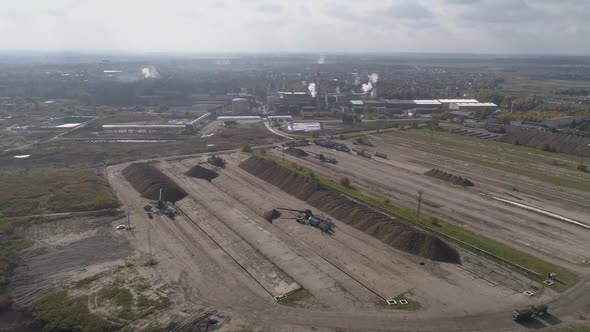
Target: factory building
{"x":446,"y":103}
{"x":426,"y":107}
{"x":148,"y":129}
{"x":240,"y":106}
{"x":473,"y":107}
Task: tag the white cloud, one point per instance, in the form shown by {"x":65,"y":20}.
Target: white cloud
{"x":496,"y":26}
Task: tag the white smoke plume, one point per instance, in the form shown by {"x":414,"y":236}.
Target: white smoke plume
{"x":367,"y":87}
{"x":150,"y":72}
{"x":312,"y":90}
{"x":373,"y":78}
{"x":321,"y":60}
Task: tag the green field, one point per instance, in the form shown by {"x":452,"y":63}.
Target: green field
{"x":42,"y":192}
{"x":458,"y":235}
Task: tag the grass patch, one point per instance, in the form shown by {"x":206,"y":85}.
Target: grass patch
{"x":294,"y":298}
{"x":459,"y":235}
{"x":60,"y":312}
{"x":411,"y":306}
{"x":42,"y":192}
{"x":18,"y":244}
{"x":86,"y":282}
{"x":117,"y":295}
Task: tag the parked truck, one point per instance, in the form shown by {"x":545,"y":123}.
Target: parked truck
{"x":520,"y":315}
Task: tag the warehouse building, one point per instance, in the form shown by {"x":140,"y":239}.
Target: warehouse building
{"x":473,"y":107}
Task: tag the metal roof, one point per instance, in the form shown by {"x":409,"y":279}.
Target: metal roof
{"x":427,"y":102}
{"x":454,"y":101}
{"x":476,"y":104}
{"x":236,"y":118}
{"x":122,"y":126}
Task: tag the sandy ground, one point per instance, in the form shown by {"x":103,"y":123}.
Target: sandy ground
{"x":220,"y":248}
{"x":64,"y":249}
{"x":399,"y":180}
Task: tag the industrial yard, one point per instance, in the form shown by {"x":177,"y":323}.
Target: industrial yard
{"x":238,"y":240}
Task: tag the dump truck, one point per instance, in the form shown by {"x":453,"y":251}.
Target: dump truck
{"x":365,"y":154}
{"x":380,"y":155}
{"x":520,"y":315}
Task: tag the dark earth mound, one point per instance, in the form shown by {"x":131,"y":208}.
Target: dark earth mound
{"x":202,"y":173}
{"x":148,"y":181}
{"x":271,"y":215}
{"x":454,"y":179}
{"x":296,"y":152}
{"x":378,"y":225}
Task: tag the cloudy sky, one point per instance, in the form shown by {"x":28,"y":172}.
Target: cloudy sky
{"x":467,"y":26}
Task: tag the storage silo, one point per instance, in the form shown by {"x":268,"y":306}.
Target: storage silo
{"x":240,"y":106}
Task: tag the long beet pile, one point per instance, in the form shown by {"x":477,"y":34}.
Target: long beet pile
{"x":376,"y":224}
{"x":148,"y":181}
{"x":296,"y":152}
{"x":454,"y":179}
{"x":202,"y":173}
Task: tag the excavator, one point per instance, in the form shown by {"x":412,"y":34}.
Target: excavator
{"x":308,"y":218}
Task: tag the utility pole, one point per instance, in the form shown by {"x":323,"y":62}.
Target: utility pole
{"x":283,"y":146}
{"x":420,"y":192}
{"x":128,"y":221}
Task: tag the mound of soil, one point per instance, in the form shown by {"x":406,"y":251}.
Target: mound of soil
{"x":562,"y":143}
{"x":148,"y":181}
{"x":378,"y":225}
{"x":454,"y":179}
{"x":271,"y":215}
{"x":202,"y":173}
{"x":296,"y":152}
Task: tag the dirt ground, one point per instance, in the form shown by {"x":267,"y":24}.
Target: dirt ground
{"x":400,"y":177}
{"x":225,"y":256}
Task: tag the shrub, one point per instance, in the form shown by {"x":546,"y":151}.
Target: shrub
{"x":345,"y":182}
{"x":247,"y":148}
{"x":434,"y":221}
{"x":151,"y":262}
{"x":582,"y":167}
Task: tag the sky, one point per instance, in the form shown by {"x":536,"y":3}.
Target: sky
{"x":291,"y":26}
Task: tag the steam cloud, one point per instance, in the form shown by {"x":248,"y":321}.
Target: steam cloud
{"x":367,"y":87}
{"x":150,"y":72}
{"x":373,"y":78}
{"x":312,"y":90}
{"x":337,"y":89}
{"x":321,"y":60}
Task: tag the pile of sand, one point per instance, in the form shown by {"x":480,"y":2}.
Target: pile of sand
{"x":454,"y":179}
{"x":148,"y":181}
{"x":202,"y":173}
{"x":296,"y":152}
{"x":271,"y":215}
{"x":378,"y":225}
